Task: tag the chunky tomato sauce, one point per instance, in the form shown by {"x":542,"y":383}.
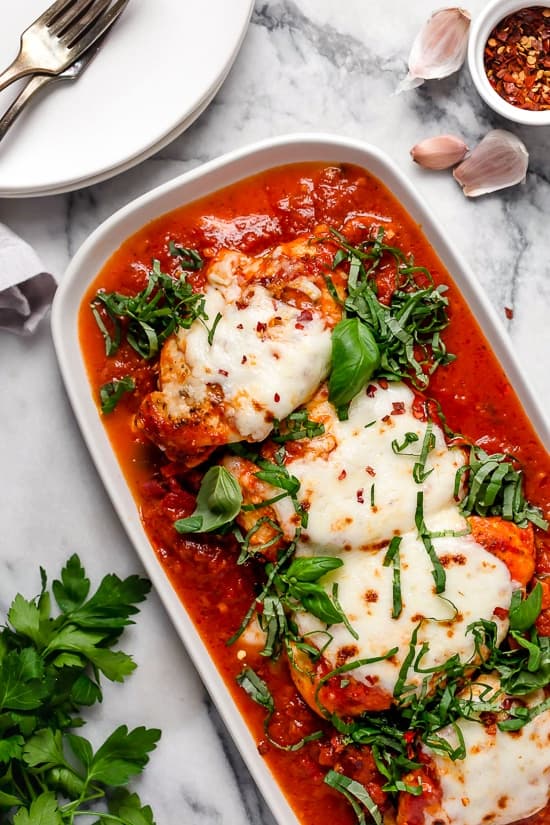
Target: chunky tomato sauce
{"x":273,"y":207}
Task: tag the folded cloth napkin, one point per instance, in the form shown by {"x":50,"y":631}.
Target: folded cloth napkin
{"x":26,"y":290}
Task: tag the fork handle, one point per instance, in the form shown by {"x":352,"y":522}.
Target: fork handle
{"x":19,"y":68}
{"x":33,"y":86}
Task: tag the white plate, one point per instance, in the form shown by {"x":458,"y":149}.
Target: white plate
{"x":159,"y":68}
{"x":109,"y":236}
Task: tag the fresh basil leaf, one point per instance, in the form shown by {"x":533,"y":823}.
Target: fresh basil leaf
{"x":218,"y":502}
{"x":523,"y":614}
{"x":355,"y":357}
{"x":316,"y":600}
{"x":312,"y":568}
{"x":111,"y":392}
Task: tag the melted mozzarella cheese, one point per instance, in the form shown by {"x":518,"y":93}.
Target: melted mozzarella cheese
{"x":267,"y":356}
{"x":476,"y":583}
{"x":336,"y":484}
{"x":504,"y":777}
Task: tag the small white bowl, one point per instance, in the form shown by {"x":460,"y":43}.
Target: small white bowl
{"x":481,"y":28}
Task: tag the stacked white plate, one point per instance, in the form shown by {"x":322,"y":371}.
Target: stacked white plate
{"x":158,"y":70}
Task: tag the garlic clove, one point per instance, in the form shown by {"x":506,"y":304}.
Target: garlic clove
{"x":440,"y":152}
{"x":439,"y":48}
{"x":500,"y":160}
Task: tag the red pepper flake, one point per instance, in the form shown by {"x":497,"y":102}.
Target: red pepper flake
{"x":398,"y":407}
{"x":240,"y":326}
{"x":261,"y":327}
{"x":244,"y":359}
{"x":386,"y":418}
{"x":298,"y":326}
{"x":517,"y":58}
{"x":408,"y":736}
{"x":223,"y":372}
{"x":370,"y":471}
{"x":501,"y":613}
{"x":342,"y":475}
{"x":305,"y":315}
{"x":276,"y":397}
{"x":371,"y":390}
{"x":384,"y":383}
{"x":509,"y":313}
{"x":359,"y":495}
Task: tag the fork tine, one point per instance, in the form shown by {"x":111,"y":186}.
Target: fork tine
{"x":53,"y":11}
{"x":63,"y":21}
{"x":82,"y":35}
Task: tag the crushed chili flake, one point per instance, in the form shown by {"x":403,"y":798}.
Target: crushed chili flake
{"x":261,"y":327}
{"x":276,"y":397}
{"x":244,"y":359}
{"x":342,"y":475}
{"x":370,"y":471}
{"x":509,"y":313}
{"x":371,"y":390}
{"x":305,"y":315}
{"x":359,"y":495}
{"x":398,"y":408}
{"x":517,"y":58}
{"x":223,"y":372}
{"x":384,"y":383}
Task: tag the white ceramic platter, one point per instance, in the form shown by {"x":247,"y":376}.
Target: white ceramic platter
{"x":161,"y":65}
{"x":108,"y":237}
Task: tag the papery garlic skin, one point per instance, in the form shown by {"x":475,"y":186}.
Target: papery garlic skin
{"x":500,"y":160}
{"x":439,"y":48}
{"x":439,"y":152}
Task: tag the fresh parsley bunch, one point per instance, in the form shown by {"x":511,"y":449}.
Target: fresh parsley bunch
{"x":51,"y":666}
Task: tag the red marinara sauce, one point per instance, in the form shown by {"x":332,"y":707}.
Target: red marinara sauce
{"x":251,"y":215}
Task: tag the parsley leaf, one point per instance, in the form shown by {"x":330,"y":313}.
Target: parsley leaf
{"x":50,"y":666}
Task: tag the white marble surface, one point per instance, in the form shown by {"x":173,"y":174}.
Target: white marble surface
{"x":306,"y":65}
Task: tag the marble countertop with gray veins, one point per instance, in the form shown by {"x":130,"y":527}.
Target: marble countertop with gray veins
{"x":305,"y":65}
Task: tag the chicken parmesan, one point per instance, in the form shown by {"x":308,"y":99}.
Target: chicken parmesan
{"x":345,"y":492}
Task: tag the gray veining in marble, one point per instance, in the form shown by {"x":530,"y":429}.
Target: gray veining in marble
{"x":305,"y":65}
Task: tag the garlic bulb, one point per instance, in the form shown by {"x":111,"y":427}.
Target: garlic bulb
{"x":500,"y":160}
{"x":439,"y":48}
{"x":440,"y":152}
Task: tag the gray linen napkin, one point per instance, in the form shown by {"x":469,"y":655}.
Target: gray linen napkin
{"x":26,"y":290}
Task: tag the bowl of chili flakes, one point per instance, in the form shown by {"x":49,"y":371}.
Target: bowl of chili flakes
{"x":509,"y":59}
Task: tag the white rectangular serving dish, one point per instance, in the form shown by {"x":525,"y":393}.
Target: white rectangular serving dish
{"x":106,"y":240}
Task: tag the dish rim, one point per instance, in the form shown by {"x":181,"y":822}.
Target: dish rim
{"x":481,"y":28}
{"x":103,"y":242}
{"x":106,"y":171}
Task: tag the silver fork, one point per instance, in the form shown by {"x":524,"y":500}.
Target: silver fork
{"x":59,"y":36}
{"x":39,"y":81}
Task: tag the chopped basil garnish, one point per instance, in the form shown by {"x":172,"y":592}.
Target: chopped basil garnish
{"x":419,"y":470}
{"x":111,"y":392}
{"x":218,"y":502}
{"x":296,"y":427}
{"x":438,"y":571}
{"x":148,"y":318}
{"x":212,"y":330}
{"x":408,"y":439}
{"x":392,"y":557}
{"x":354,"y":793}
{"x":258,"y":690}
{"x":407,"y":331}
{"x":495,"y":488}
{"x":189,"y":259}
